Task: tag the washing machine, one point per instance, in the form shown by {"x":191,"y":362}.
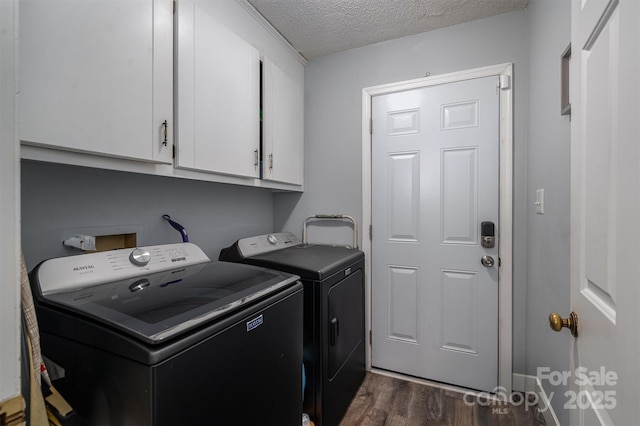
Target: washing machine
{"x":162,"y":336}
{"x":334,"y":332}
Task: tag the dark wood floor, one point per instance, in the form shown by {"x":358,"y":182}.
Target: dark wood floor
{"x":384,"y":400}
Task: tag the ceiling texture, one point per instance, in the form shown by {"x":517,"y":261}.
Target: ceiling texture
{"x":322,"y":27}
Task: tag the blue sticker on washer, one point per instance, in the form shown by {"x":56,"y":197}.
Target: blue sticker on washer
{"x":254,"y":323}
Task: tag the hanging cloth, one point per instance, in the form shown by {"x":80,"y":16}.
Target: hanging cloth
{"x":46,"y":405}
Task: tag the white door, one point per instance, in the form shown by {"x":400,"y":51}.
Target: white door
{"x":434,"y":181}
{"x":605,"y":212}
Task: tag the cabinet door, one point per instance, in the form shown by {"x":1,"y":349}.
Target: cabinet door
{"x":283,"y":106}
{"x":97,"y":76}
{"x":218,"y":96}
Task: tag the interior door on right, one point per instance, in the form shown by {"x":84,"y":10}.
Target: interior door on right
{"x":434,"y":182}
{"x":605,"y":212}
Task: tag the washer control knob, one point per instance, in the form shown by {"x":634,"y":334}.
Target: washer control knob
{"x":272,"y":239}
{"x":139,"y":285}
{"x":140,"y":257}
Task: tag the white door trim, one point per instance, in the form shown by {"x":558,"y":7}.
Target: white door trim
{"x":9,"y":205}
{"x":505,"y":72}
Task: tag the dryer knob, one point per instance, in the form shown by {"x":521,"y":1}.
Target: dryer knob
{"x":140,"y":257}
{"x":272,"y":239}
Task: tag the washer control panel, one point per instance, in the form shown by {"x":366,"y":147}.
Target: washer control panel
{"x":259,"y":244}
{"x":86,"y":270}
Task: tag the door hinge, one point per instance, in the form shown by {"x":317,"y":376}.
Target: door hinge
{"x":505,"y":82}
{"x":370,"y":232}
{"x":371,"y":126}
{"x":370,"y":337}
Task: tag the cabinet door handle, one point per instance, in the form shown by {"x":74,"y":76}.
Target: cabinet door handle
{"x":257,"y":159}
{"x":165,"y":124}
{"x":271,"y":161}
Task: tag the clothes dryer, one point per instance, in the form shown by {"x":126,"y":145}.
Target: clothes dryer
{"x":334,"y":335}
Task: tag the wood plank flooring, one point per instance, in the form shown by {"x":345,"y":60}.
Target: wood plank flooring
{"x":388,"y":401}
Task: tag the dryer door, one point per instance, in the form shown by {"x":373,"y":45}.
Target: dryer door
{"x":346,"y":320}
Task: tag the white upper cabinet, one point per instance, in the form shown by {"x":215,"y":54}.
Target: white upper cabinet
{"x":218,"y":105}
{"x":98,"y":80}
{"x":220,"y":94}
{"x":283,"y":131}
{"x":97,"y":77}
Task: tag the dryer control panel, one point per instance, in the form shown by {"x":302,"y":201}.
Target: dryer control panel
{"x":252,"y":246}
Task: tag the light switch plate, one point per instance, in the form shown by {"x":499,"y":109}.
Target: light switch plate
{"x":539,"y":203}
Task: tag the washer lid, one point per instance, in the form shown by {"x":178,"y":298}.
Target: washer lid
{"x":162,"y":305}
{"x":309,"y":261}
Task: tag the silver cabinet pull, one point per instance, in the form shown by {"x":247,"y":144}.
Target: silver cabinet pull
{"x":165,"y":124}
{"x":257,"y":161}
{"x":271,"y":161}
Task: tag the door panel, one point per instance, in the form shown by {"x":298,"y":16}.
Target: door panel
{"x":600,"y":198}
{"x":459,"y":205}
{"x":459,"y":116}
{"x":605,"y":206}
{"x":403,"y":122}
{"x":435,"y":178}
{"x":403,"y":187}
{"x":403,"y":303}
{"x":459,"y":313}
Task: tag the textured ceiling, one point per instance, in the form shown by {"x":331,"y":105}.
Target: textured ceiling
{"x":322,"y":27}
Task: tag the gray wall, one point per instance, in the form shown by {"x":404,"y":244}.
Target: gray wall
{"x":333,"y":116}
{"x":59,"y":201}
{"x":548,"y":165}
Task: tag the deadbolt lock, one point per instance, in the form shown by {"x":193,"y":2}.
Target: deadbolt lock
{"x":488,"y":232}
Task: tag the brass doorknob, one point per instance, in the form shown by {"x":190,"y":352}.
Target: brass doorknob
{"x":556,"y":322}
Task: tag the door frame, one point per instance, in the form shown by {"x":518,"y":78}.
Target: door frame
{"x":505,"y":290}
{"x":10,"y":310}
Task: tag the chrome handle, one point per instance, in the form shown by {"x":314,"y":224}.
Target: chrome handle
{"x":165,"y":124}
{"x":271,"y":161}
{"x":257,"y":161}
{"x":487,"y":261}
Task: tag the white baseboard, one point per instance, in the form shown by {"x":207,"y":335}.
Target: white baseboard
{"x":526,"y":383}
